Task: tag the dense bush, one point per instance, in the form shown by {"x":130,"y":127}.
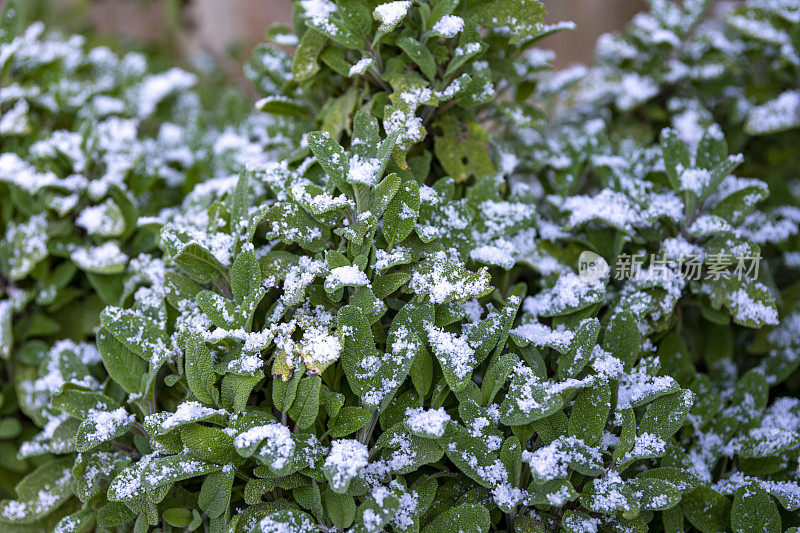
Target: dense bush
{"x":379,"y":322}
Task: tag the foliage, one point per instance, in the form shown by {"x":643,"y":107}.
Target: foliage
{"x":92,"y":144}
{"x":377,"y":323}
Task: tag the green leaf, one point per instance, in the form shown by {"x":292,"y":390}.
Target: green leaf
{"x":332,"y":158}
{"x":200,"y":370}
{"x":285,"y":390}
{"x":528,"y":399}
{"x":215,"y":493}
{"x":666,"y":414}
{"x":590,"y":413}
{"x":467,"y":517}
{"x":245,"y":275}
{"x":676,"y":156}
{"x":114,"y":514}
{"x":305,"y":64}
{"x":305,"y":407}
{"x":622,"y":339}
{"x":359,"y":352}
{"x":209,"y":444}
{"x":221,"y":311}
{"x":580,"y":350}
{"x":523,"y":17}
{"x":387,"y":284}
{"x":655,"y":494}
{"x":708,"y":510}
{"x":420,"y":55}
{"x":10,"y":21}
{"x":124,"y":366}
{"x":93,"y":471}
{"x":337,"y":111}
{"x":78,"y":522}
{"x":40,"y":492}
{"x":280,"y":105}
{"x":402,"y":212}
{"x":497,"y":375}
{"x":163,"y":471}
{"x":289,"y":222}
{"x":288,"y":521}
{"x":356,"y":15}
{"x":137,"y":329}
{"x":374,"y":377}
{"x":753,"y":510}
{"x":80,"y":403}
{"x":463,"y":149}
{"x":609,"y":496}
{"x":738,"y":204}
{"x":341,"y":508}
{"x":236,"y":390}
{"x":6,"y":333}
{"x":552,"y":491}
{"x":379,"y":514}
{"x":471,"y":454}
{"x":200,"y":263}
{"x":101,"y":426}
{"x":348,"y":420}
{"x":383,"y":193}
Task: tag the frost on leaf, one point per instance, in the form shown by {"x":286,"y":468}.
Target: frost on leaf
{"x":444,"y":281}
{"x":344,"y":462}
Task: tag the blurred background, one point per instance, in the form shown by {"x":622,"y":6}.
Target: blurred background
{"x":228,"y":30}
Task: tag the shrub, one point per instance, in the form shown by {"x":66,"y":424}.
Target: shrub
{"x":92,"y":144}
{"x":379,"y":324}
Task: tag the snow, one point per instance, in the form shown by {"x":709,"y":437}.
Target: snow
{"x":319,"y":13}
{"x":448,"y":26}
{"x":639,"y":384}
{"x":319,"y":348}
{"x":634,"y":90}
{"x":607,"y":495}
{"x":542,"y":336}
{"x":613,"y":207}
{"x":106,"y":423}
{"x":694,"y":180}
{"x":777,"y":115}
{"x":96,"y":219}
{"x":157,"y":87}
{"x":646,"y":445}
{"x":385,"y":260}
{"x":363,"y":170}
{"x":431,"y":423}
{"x":278,"y":448}
{"x":47,"y":498}
{"x":390,"y":13}
{"x":443,"y":283}
{"x":346,"y":459}
{"x":747,"y":309}
{"x":189,"y":411}
{"x":501,"y":254}
{"x":27,"y":243}
{"x":349,"y":275}
{"x":553,"y":461}
{"x":569,"y":292}
{"x":279,"y":523}
{"x":361,"y":66}
{"x":456,"y":349}
{"x":322,"y":202}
